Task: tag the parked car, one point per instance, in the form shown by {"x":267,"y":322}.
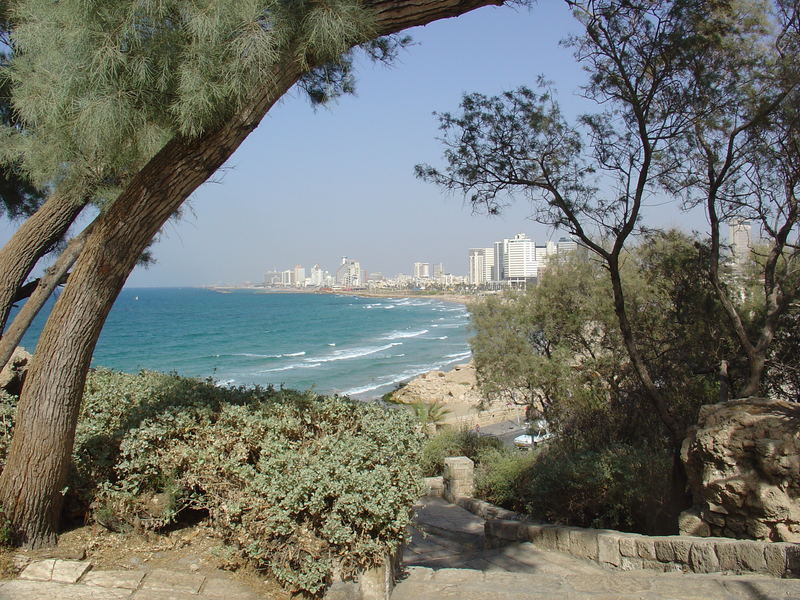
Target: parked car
{"x":529,"y":440}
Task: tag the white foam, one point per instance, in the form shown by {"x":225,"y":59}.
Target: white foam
{"x":331,"y":344}
{"x":225,"y":383}
{"x":293,"y":366}
{"x":294,"y":354}
{"x":399,"y":335}
{"x":459,"y":355}
{"x":354,"y":353}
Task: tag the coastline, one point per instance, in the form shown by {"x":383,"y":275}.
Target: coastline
{"x":454,"y":298}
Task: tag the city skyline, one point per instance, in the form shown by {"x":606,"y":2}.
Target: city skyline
{"x":314,"y":183}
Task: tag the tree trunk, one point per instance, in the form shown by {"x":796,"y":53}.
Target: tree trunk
{"x":44,"y":288}
{"x":30,"y":242}
{"x":38,"y":460}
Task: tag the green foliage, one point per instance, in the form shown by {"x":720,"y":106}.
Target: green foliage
{"x":615,"y":486}
{"x":454,"y":442}
{"x":557,"y":347}
{"x":100,"y":86}
{"x":301,"y":485}
{"x":429,"y":414}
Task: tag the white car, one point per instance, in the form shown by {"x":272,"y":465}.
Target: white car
{"x":529,"y":441}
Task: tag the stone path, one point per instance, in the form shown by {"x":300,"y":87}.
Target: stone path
{"x":447,"y":559}
{"x":55,"y":579}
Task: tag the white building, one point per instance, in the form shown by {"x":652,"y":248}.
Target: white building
{"x":317,"y":276}
{"x":740,"y":240}
{"x":422,"y":270}
{"x":349,"y":273}
{"x":477,"y":266}
{"x":520,"y":258}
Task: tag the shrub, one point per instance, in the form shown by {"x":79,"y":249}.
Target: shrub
{"x":453,"y":442}
{"x":299,"y":484}
{"x":617,"y":486}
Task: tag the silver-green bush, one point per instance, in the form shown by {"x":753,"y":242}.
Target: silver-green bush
{"x":301,"y":485}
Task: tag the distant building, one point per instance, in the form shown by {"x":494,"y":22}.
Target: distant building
{"x":287,"y":277}
{"x":565,"y":245}
{"x":272,"y":278}
{"x":299,"y":275}
{"x":317,"y":276}
{"x":520,"y":258}
{"x":739,"y":238}
{"x":476,"y":258}
{"x":438,"y":271}
{"x":422,"y":270}
{"x":349,"y":273}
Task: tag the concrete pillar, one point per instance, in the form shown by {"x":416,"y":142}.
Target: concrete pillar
{"x":378,"y":582}
{"x":459,"y":478}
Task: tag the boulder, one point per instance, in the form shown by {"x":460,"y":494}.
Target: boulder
{"x":743,"y":465}
{"x":13,"y":374}
{"x":456,"y":386}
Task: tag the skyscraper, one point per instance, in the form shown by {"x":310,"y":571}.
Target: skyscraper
{"x":740,"y":241}
{"x":520,"y":258}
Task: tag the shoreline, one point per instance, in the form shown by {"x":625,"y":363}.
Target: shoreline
{"x":454,"y":298}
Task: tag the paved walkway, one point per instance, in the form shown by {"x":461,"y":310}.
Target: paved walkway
{"x":447,"y":560}
{"x":55,"y":579}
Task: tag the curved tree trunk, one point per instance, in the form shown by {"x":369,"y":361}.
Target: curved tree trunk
{"x":45,"y":286}
{"x":38,"y":460}
{"x":30,"y":242}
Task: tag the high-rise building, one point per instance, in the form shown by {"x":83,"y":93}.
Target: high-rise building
{"x":438,"y":271}
{"x":422,"y":270}
{"x":741,"y":243}
{"x":500,"y":260}
{"x":349,"y":273}
{"x":299,"y":275}
{"x":477,"y":266}
{"x":317,"y":276}
{"x":520,"y":258}
{"x":488,"y":264}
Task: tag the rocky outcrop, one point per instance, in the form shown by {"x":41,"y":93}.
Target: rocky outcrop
{"x":13,"y":374}
{"x":743,"y":465}
{"x":456,"y":386}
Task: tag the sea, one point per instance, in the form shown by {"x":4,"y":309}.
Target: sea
{"x":350,"y":345}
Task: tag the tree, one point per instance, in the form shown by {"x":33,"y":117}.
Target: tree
{"x":594,"y":178}
{"x":296,"y":39}
{"x":741,"y":160}
{"x":559,"y":342}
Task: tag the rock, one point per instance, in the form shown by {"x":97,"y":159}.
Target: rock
{"x":458,"y":385}
{"x":691,"y":523}
{"x":13,"y":374}
{"x":743,"y":465}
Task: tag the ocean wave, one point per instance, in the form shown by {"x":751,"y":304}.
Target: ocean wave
{"x":331,"y":344}
{"x":354,"y":353}
{"x":293,"y":366}
{"x":459,"y":355}
{"x":393,"y":380}
{"x":399,"y":335}
{"x":225,"y":383}
{"x":293,"y":354}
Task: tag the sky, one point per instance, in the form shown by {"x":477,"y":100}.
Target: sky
{"x":312,"y":185}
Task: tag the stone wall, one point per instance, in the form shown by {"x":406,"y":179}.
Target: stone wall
{"x":629,"y":551}
{"x":743,"y":464}
{"x":616,"y":549}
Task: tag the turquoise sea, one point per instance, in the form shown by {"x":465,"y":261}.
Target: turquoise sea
{"x":361,"y":347}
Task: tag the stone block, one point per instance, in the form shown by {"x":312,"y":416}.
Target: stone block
{"x":663,"y":550}
{"x":459,"y":477}
{"x":127,"y":580}
{"x":504,"y":530}
{"x":703,"y":557}
{"x":583,"y":543}
{"x":41,"y":570}
{"x":170,"y":581}
{"x":69,"y":571}
{"x":533,"y":532}
{"x":775,"y":558}
{"x":645,"y":548}
{"x":564,"y":539}
{"x":681,"y":548}
{"x":377,"y":583}
{"x":742,"y":556}
{"x":627,"y":545}
{"x":608,"y":549}
{"x":549,"y":537}
{"x":793,"y":560}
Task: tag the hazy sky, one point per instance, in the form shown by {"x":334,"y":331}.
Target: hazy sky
{"x":309,"y":186}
